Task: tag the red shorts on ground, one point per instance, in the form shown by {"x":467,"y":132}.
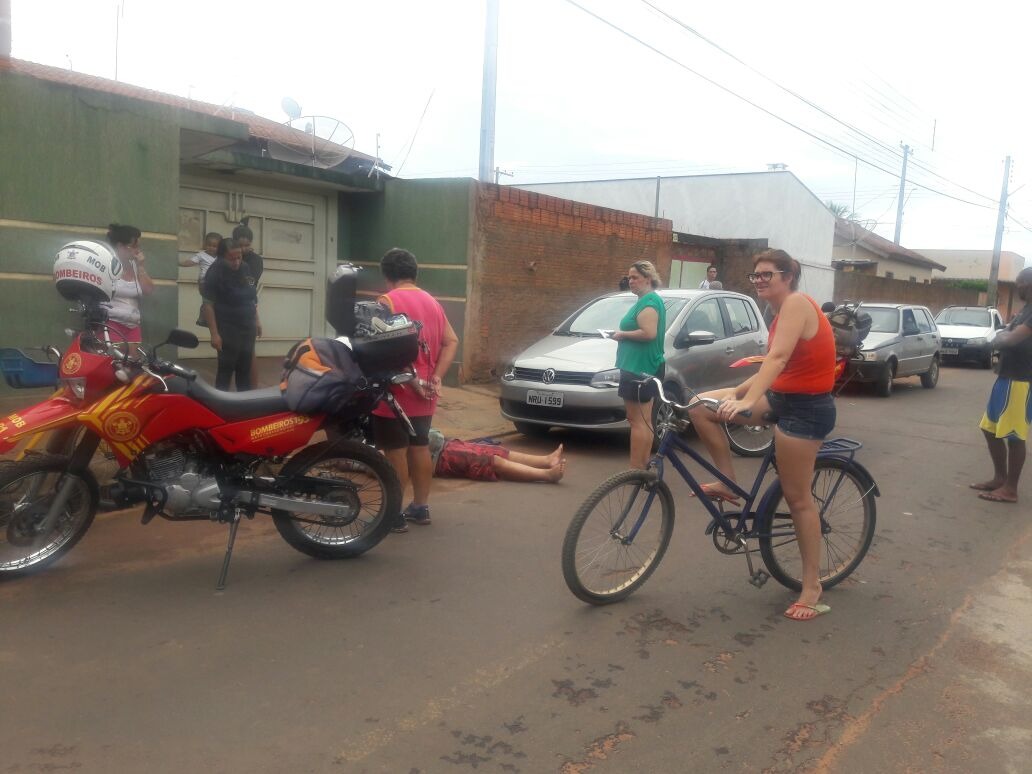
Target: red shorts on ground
{"x":461,"y":459}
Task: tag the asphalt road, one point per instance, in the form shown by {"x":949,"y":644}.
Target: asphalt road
{"x":457,"y":647}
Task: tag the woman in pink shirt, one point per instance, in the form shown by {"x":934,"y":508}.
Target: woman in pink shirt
{"x":410,"y":456}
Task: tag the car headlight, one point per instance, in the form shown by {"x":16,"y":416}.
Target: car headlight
{"x":510,"y":372}
{"x":606,"y":379}
{"x":979,"y":342}
{"x":870,"y":355}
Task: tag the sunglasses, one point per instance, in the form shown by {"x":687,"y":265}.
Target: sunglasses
{"x":762,"y":276}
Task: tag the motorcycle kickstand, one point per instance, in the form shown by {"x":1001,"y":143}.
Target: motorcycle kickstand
{"x":233,"y":527}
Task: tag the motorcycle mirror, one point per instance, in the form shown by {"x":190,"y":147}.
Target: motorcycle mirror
{"x":181,"y":338}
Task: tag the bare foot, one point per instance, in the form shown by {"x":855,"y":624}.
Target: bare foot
{"x":987,"y":486}
{"x":556,"y":472}
{"x":1000,"y":495}
{"x":555,"y":457}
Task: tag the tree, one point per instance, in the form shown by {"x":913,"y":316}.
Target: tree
{"x":841,"y":211}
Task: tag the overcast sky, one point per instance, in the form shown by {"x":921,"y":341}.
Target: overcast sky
{"x":579,"y":100}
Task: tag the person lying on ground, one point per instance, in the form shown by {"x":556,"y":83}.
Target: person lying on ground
{"x":453,"y":458}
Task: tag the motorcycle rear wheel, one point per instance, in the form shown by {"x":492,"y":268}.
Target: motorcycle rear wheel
{"x":367,"y":483}
{"x":27,"y":488}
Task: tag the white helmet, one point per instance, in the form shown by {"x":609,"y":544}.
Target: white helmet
{"x":86,"y":271}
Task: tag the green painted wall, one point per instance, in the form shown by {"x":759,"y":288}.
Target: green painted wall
{"x":431,"y":218}
{"x":85,"y":157}
{"x":74,"y":160}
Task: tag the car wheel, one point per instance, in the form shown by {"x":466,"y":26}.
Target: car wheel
{"x":987,"y":361}
{"x":930,"y":378}
{"x":883,"y":387}
{"x":531,"y":430}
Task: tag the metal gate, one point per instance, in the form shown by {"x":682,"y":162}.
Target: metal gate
{"x":291,"y":232}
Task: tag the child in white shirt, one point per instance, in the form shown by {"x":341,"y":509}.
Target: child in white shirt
{"x":203,"y":261}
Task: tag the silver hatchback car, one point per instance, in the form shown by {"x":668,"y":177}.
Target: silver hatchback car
{"x":904,"y":341}
{"x":569,"y":378}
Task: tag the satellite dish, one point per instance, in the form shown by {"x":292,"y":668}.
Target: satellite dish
{"x":291,"y":108}
{"x":315,"y":141}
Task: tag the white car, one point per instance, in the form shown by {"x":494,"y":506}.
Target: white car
{"x":968,"y":333}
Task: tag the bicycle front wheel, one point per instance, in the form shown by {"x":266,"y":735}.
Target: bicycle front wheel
{"x":847,"y":510}
{"x":602,"y":562}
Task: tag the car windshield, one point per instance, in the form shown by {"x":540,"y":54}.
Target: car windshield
{"x":606,"y":313}
{"x":883,"y":320}
{"x":976,"y":317}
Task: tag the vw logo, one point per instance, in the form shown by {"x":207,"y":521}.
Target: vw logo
{"x":548,"y":376}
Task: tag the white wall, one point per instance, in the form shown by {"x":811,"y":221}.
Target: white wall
{"x":974,"y":264}
{"x":774,"y":206}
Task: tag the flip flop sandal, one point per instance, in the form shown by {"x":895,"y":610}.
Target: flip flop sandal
{"x":818,"y":610}
{"x":981,"y":487}
{"x":718,"y":496}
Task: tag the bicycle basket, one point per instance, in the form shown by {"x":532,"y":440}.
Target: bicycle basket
{"x":21,"y":371}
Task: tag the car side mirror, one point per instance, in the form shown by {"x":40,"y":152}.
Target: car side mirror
{"x":910,"y":329}
{"x":686,"y":339}
{"x":181,"y":338}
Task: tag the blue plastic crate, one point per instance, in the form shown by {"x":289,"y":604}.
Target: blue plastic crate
{"x":20,"y":370}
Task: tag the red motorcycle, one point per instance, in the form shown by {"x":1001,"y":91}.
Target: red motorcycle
{"x":187,"y":451}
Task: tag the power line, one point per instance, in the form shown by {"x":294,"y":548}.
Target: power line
{"x":760,"y":107}
{"x":415,"y":134}
{"x":1018,"y":222}
{"x":861,"y":133}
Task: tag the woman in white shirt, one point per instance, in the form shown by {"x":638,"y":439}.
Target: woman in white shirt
{"x":124,"y":308}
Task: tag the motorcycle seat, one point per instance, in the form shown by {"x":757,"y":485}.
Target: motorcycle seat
{"x":233,"y":406}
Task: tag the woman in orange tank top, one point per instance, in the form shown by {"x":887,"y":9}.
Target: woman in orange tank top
{"x":794,"y":383}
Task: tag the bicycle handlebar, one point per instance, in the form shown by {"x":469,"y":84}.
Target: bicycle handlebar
{"x":711,"y":403}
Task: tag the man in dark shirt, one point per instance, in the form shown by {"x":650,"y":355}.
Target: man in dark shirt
{"x":1009,"y":412}
{"x":230,"y":309}
{"x":244,"y":236}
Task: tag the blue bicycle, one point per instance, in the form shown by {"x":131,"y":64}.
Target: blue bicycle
{"x":617,"y":539}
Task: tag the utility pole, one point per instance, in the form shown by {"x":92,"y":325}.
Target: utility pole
{"x":994,"y":269}
{"x":487,"y":100}
{"x":119,"y":13}
{"x":498,"y":171}
{"x":902,"y":185}
{"x":5,"y":28}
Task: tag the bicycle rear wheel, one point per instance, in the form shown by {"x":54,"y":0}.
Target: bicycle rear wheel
{"x":599,"y":564}
{"x":847,"y":509}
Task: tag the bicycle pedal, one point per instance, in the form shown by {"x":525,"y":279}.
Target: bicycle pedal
{"x":759,"y":578}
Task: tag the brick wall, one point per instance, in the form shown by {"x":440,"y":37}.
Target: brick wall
{"x":534,"y":259}
{"x":732,"y":257}
{"x":864,"y":287}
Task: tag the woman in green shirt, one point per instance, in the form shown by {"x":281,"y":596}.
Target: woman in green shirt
{"x":640,"y":351}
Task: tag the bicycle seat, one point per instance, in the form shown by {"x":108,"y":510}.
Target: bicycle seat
{"x":237,"y":405}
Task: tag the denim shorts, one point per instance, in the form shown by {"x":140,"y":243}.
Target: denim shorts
{"x":803,"y":416}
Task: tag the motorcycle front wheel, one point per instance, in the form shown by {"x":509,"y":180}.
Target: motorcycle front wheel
{"x":27,"y":489}
{"x":362,"y":480}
